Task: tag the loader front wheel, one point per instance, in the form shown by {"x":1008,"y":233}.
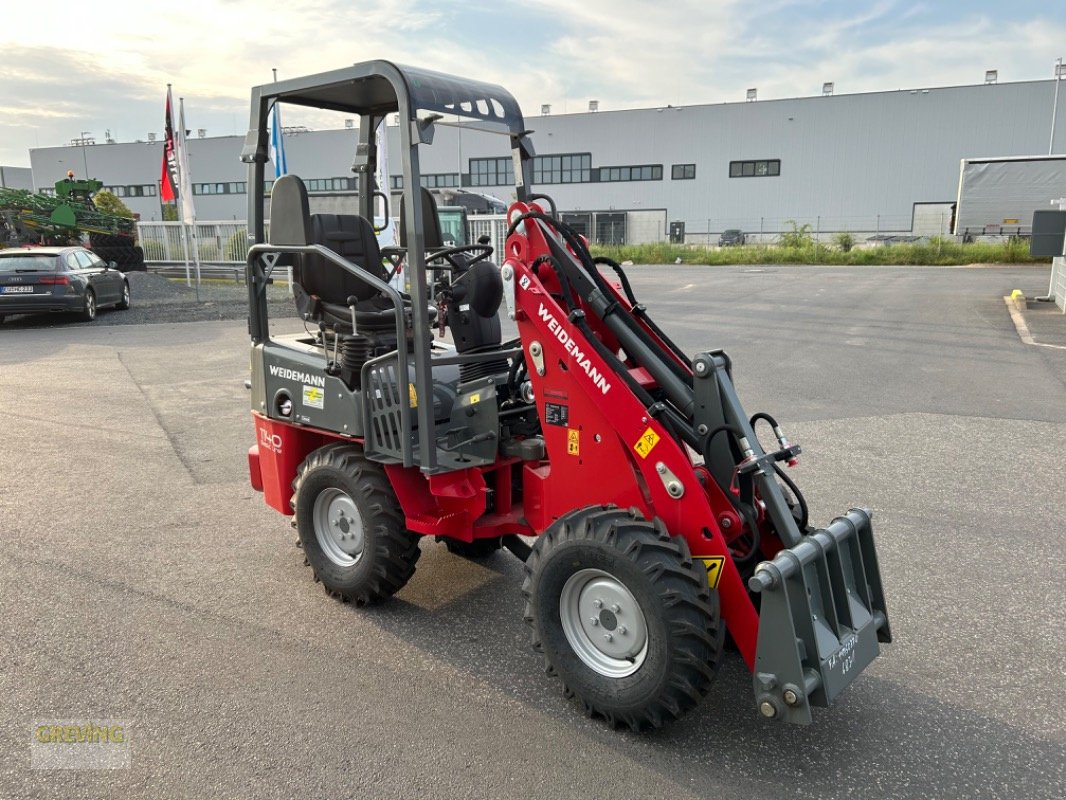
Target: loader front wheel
{"x":623,"y":615}
{"x":351,"y":527}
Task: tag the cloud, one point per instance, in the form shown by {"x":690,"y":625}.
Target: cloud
{"x":110,"y":70}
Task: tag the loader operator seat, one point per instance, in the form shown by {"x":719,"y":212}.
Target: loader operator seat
{"x":432,"y":237}
{"x":322,"y":288}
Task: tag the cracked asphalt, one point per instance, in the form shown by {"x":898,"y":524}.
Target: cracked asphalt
{"x":142,"y":579}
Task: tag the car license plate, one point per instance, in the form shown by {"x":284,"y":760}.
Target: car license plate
{"x":16,"y":290}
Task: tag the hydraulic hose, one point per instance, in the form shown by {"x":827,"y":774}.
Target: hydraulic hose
{"x":801,"y":501}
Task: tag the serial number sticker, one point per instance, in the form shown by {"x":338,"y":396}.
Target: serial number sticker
{"x":573,"y":442}
{"x":557,"y":414}
{"x":314,"y":397}
{"x":646,"y":443}
{"x":714,"y":566}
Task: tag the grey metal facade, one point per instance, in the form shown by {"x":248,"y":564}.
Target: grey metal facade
{"x":16,"y":178}
{"x":846,"y":162}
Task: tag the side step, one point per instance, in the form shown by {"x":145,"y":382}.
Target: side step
{"x":821,"y":619}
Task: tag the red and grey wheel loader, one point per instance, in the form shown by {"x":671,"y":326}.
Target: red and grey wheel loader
{"x":658,"y":522}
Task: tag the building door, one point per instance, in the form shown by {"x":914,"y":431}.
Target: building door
{"x":611,"y":228}
{"x":677,"y":233}
{"x":582,"y":223}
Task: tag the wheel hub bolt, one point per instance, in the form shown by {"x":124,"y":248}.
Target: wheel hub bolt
{"x":617,"y":609}
{"x":598,"y":603}
{"x":608,"y":637}
{"x":622,"y":630}
{"x":593,"y":621}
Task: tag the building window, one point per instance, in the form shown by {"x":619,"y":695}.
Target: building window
{"x":144,"y":190}
{"x":644,"y":172}
{"x":683,"y":172}
{"x":571,"y":168}
{"x":491,"y":172}
{"x":440,"y":180}
{"x":396,"y":182}
{"x":767,"y":168}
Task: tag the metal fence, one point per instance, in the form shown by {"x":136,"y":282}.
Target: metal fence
{"x":225,"y":243}
{"x":216,"y":243}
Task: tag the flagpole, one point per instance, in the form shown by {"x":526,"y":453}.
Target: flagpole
{"x":188,"y":210}
{"x":169,"y":143}
{"x":185,"y":247}
{"x":277,"y":174}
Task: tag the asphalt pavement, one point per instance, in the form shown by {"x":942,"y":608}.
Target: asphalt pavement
{"x":142,"y":579}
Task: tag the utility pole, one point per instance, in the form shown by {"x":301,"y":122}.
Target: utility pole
{"x":1055,"y":105}
{"x":85,"y":159}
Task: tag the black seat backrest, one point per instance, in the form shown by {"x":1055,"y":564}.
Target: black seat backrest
{"x":432,"y":237}
{"x":290,"y":218}
{"x":352,"y":237}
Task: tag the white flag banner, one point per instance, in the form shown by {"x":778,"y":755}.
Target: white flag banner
{"x":188,"y":210}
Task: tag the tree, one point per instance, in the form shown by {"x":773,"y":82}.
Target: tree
{"x":107,"y":203}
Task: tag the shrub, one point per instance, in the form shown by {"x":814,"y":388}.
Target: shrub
{"x":942,"y":252}
{"x":799,"y":237}
{"x":236,"y":248}
{"x":153,"y":250}
{"x":844,"y":240}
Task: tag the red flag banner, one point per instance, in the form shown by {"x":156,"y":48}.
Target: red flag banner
{"x":168,"y":181}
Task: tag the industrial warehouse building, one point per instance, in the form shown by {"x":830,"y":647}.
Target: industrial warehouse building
{"x":879,"y":162}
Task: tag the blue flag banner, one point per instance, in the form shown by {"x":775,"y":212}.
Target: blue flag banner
{"x":277,"y":144}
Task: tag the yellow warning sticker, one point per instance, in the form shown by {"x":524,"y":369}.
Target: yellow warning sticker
{"x":646,"y":443}
{"x":475,"y":398}
{"x":573,"y":441}
{"x":714,"y":566}
{"x":314,"y":397}
{"x":412,"y":394}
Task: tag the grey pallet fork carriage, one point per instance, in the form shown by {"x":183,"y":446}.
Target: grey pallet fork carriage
{"x":821,"y":618}
{"x":822,"y":613}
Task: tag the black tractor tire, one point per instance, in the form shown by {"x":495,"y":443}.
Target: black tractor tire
{"x":332,"y":483}
{"x":476,"y":550}
{"x":663,"y":594}
{"x":124,"y":303}
{"x":88,"y":309}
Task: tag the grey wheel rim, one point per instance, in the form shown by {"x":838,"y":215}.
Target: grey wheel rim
{"x":338,"y":527}
{"x":90,"y":305}
{"x":125,"y":294}
{"x":603,"y":623}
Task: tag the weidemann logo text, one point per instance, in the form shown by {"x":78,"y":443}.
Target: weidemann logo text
{"x":574,"y":350}
{"x":296,"y":375}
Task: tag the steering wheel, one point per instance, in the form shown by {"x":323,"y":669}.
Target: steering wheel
{"x":479,"y":252}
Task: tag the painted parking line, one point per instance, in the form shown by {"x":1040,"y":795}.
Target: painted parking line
{"x":1023,"y":327}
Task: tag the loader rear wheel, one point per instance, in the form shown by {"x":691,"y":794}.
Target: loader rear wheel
{"x":623,"y":615}
{"x":351,"y":527}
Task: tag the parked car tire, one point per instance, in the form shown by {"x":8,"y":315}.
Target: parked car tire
{"x":124,"y":303}
{"x":88,"y":311}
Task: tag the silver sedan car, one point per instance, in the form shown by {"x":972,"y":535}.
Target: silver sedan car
{"x":69,"y":279}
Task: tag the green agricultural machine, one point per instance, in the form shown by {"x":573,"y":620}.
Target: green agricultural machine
{"x":36,"y":218}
